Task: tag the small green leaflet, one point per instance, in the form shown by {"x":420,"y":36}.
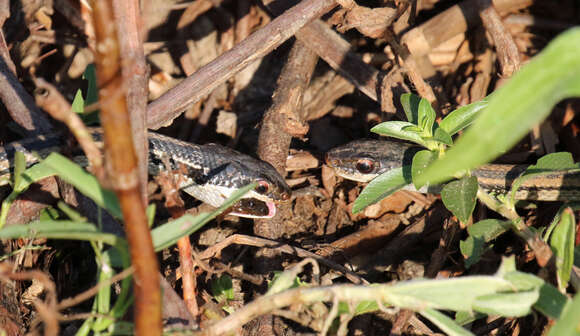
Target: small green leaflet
{"x":459,"y":197}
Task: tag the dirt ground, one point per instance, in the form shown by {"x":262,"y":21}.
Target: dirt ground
{"x":324,"y":87}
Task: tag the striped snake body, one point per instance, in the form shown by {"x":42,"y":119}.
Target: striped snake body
{"x":214,"y":172}
{"x":363,"y":160}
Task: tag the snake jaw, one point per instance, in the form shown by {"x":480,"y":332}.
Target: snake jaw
{"x":252,"y":205}
{"x":271,"y":206}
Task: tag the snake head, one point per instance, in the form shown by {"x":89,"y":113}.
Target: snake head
{"x":363,"y":160}
{"x":225,"y":171}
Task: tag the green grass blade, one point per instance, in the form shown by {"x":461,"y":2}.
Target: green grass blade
{"x":515,"y":108}
{"x":445,"y":323}
{"x":168,"y":234}
{"x":86,"y":183}
{"x":61,"y":230}
{"x":19,"y":166}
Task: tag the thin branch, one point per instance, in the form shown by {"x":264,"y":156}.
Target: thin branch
{"x":163,"y":110}
{"x":284,"y":248}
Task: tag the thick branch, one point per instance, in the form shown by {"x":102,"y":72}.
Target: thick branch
{"x":123,"y":171}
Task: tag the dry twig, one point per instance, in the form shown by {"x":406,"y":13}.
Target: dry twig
{"x":123,"y":172}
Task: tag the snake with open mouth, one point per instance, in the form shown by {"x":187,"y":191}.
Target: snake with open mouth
{"x":214,"y":172}
{"x":363,"y":160}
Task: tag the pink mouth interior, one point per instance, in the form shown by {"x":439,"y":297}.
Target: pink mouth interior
{"x":271,"y":209}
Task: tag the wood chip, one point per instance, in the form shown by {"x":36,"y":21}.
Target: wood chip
{"x":227,"y":123}
{"x":300,"y":160}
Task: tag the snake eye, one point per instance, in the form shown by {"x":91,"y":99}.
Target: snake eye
{"x":365,"y":166}
{"x":262,"y":187}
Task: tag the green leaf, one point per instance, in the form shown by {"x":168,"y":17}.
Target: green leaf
{"x":382,"y":186}
{"x":568,"y":324}
{"x":551,"y":302}
{"x":445,"y":323}
{"x":222,"y":288}
{"x":457,"y":294}
{"x":364,"y":307}
{"x":420,"y":161}
{"x":522,"y":281}
{"x":545,"y":165}
{"x":515,"y":108}
{"x":472,"y":249}
{"x":395,"y":129}
{"x":70,"y":212}
{"x":488,"y":229}
{"x":554,"y":161}
{"x":507,"y":266}
{"x":426,"y":117}
{"x":410,"y":104}
{"x":459,"y":197}
{"x":463,"y":116}
{"x":412,"y":129}
{"x":32,"y":175}
{"x":507,"y":304}
{"x":442,"y":136}
{"x":562,"y":243}
{"x":463,"y":317}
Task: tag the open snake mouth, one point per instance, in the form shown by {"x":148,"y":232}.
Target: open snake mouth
{"x":253,"y":208}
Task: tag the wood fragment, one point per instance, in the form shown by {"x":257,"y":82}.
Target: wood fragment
{"x":335,"y":51}
{"x":455,"y":20}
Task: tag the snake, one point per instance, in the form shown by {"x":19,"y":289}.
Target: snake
{"x":363,"y":160}
{"x":211,"y":172}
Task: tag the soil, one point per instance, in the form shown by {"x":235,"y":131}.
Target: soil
{"x":406,"y":236}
